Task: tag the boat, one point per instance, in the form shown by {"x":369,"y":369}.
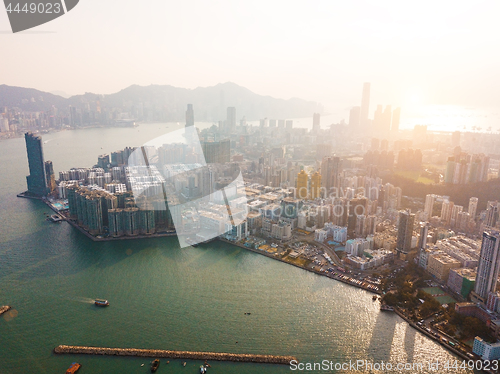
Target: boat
{"x":55,"y":218}
{"x":203,"y":369}
{"x":154,"y":365}
{"x":75,"y":366}
{"x":100,"y":302}
{"x":183,"y":364}
{"x":386,"y":308}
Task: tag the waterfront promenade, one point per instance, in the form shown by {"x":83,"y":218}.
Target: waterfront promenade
{"x":187,"y":355}
{"x":343,"y":279}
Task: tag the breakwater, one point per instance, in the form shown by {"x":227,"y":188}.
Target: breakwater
{"x":160,"y":353}
{"x":4,"y":309}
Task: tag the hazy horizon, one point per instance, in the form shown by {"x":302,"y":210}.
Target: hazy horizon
{"x":423,"y":54}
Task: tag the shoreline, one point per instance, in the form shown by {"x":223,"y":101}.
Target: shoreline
{"x":269,"y":255}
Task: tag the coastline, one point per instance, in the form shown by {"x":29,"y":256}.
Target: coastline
{"x":269,"y":255}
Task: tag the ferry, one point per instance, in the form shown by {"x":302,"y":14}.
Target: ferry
{"x":75,"y":366}
{"x":100,"y":302}
{"x":154,"y":366}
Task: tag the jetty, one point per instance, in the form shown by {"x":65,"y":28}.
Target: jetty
{"x":4,"y":309}
{"x":160,"y":353}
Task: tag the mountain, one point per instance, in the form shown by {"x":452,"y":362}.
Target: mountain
{"x":29,"y":99}
{"x":164,"y":102}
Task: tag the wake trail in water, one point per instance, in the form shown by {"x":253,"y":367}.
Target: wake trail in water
{"x":85,"y":300}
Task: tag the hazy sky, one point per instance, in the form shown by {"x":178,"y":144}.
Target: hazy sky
{"x":427,"y":51}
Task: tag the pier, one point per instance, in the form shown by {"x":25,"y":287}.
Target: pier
{"x":4,"y":309}
{"x":187,"y":355}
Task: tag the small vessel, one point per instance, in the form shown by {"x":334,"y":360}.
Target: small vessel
{"x":75,"y":366}
{"x":55,"y":218}
{"x":203,"y":369}
{"x":247,"y":313}
{"x":183,"y":364}
{"x":386,"y":308}
{"x":100,"y":302}
{"x":154,"y":365}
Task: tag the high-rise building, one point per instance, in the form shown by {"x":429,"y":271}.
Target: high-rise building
{"x":302,"y":190}
{"x":492,"y":211}
{"x":354,"y":117}
{"x":429,"y":205}
{"x":489,"y":264}
{"x":330,"y":170}
{"x":315,"y":185}
{"x":473,"y":207}
{"x":49,"y":175}
{"x":316,"y":119}
{"x":37,"y":181}
{"x":217,"y":152}
{"x":396,"y":116}
{"x":405,"y":231}
{"x":378,"y":119}
{"x":365,"y":105}
{"x":189,"y":115}
{"x":446,"y":210}
{"x":386,"y":119}
{"x":231,"y":118}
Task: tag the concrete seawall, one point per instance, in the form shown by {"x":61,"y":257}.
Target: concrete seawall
{"x":159,"y":353}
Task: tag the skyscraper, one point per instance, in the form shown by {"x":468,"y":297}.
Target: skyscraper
{"x":489,"y":264}
{"x":302,"y":191}
{"x":378,"y":119}
{"x":405,"y":231}
{"x":189,"y":115}
{"x":330,"y":169}
{"x":316,"y":118}
{"x":365,"y":105}
{"x":396,"y":115}
{"x":386,"y":119}
{"x":231,"y":118}
{"x":429,"y":205}
{"x":49,"y":175}
{"x":37,"y":180}
{"x":354,"y":117}
{"x":315,"y":185}
{"x":217,"y":152}
{"x":491,"y":213}
{"x":473,"y":207}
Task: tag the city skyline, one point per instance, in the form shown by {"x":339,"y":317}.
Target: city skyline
{"x":409,"y":57}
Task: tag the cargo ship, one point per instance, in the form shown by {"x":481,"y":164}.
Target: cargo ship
{"x":100,"y":302}
{"x":75,"y":366}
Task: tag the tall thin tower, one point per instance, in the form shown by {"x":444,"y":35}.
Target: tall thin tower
{"x":189,"y":116}
{"x":365,"y":105}
{"x":489,"y":264}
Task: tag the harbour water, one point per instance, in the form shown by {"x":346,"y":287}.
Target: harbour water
{"x":164,"y":297}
